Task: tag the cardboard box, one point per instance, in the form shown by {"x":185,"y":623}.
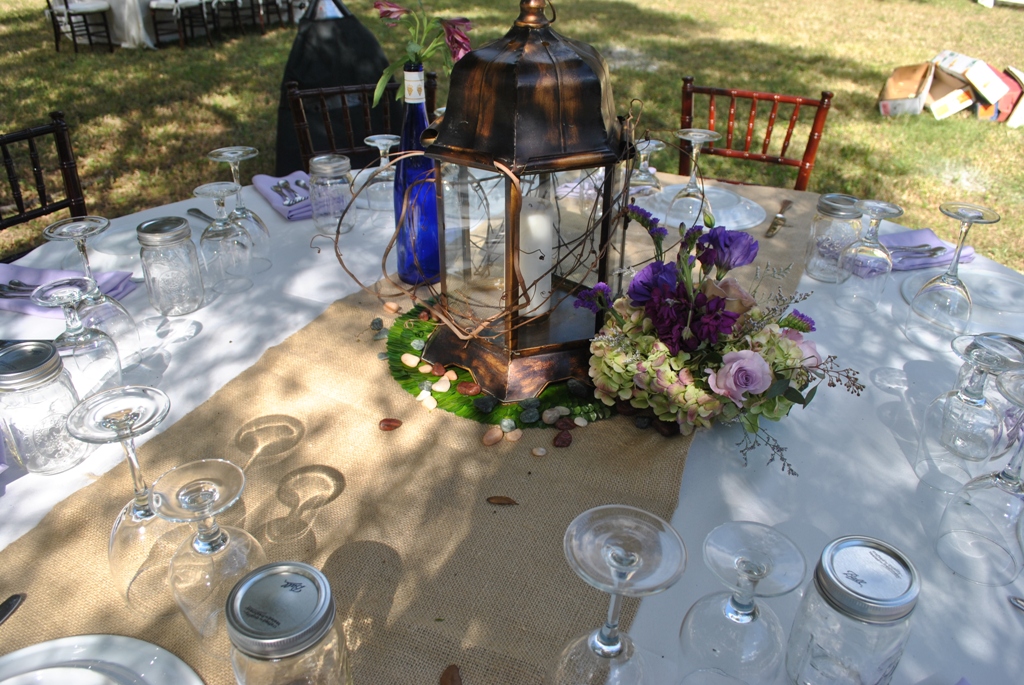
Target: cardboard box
{"x":1010,"y":100}
{"x":948,"y":95}
{"x":984,"y":111}
{"x":981,"y":76}
{"x":906,"y":89}
{"x":1016,"y":117}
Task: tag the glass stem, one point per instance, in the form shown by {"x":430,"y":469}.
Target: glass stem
{"x":1012,"y":472}
{"x":741,"y":607}
{"x":222,"y":212}
{"x":80,"y":244}
{"x":973,"y":390}
{"x":954,"y":266}
{"x":71,"y":319}
{"x":645,"y":162}
{"x":385,"y":156}
{"x":692,"y":186}
{"x":138,"y":482}
{"x":608,"y":636}
{"x":239,"y":205}
{"x":210,"y":538}
{"x":871,"y":234}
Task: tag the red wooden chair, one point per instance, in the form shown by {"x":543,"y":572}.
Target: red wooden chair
{"x":741,"y":144}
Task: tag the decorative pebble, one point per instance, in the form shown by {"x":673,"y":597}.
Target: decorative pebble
{"x":468,"y":389}
{"x":424,"y":315}
{"x":425,"y":368}
{"x":451,"y":375}
{"x":565,"y":424}
{"x":667,"y":428}
{"x":424,"y":394}
{"x":493,"y":436}
{"x":538,"y":451}
{"x":438,"y":369}
{"x":563,"y":411}
{"x":485,"y":404}
{"x":392,"y":307}
{"x":410,"y":360}
{"x":563,"y":439}
{"x":418,"y":344}
{"x":389,"y":424}
{"x":642,"y":422}
{"x":625,"y":408}
{"x":580,"y":421}
{"x":550,"y":416}
{"x":382,"y":355}
{"x":443,"y":385}
{"x":592,"y":416}
{"x":426,"y":385}
{"x":515,"y":435}
{"x":529,"y":403}
{"x":578,"y":389}
{"x":377,"y":324}
{"x":381,"y":334}
{"x":430,"y":403}
{"x":529,"y":416}
{"x":508,"y":425}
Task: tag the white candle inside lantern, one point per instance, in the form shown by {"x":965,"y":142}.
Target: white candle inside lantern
{"x":536,"y":247}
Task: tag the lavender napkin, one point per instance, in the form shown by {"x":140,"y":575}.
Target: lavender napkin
{"x":297,"y":212}
{"x":115,"y":284}
{"x":922,"y":236}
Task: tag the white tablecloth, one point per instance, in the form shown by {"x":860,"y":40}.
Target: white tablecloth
{"x":131,"y":26}
{"x":853,"y":454}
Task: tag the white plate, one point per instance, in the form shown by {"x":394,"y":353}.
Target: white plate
{"x":115,"y":659}
{"x":733,"y":212}
{"x":994,"y":290}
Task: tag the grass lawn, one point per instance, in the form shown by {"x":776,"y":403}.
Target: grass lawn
{"x":143,"y":120}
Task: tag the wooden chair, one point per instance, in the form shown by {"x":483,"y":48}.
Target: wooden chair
{"x":36,"y":146}
{"x":181,"y":18}
{"x":337,"y":119}
{"x":746,"y":136}
{"x":76,"y":18}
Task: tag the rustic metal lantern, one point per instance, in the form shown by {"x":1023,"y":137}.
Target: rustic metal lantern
{"x":529,"y":159}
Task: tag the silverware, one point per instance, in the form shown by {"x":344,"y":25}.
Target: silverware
{"x":200,"y":214}
{"x":15,"y":283}
{"x":900,"y":256}
{"x":1018,"y":602}
{"x":918,"y":249}
{"x":10,"y":605}
{"x":302,"y":184}
{"x":288,"y":189}
{"x":286,"y":198}
{"x":780,"y":219}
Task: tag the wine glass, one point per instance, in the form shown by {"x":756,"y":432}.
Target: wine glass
{"x":942,"y":307}
{"x":978,"y":532}
{"x":865,"y":264}
{"x":89,"y":354}
{"x":141,"y":543}
{"x":643,"y":181}
{"x":380,"y":191}
{"x":96,"y":309}
{"x":730,"y":634}
{"x":209,"y":563}
{"x":626,"y":552}
{"x":247,"y":218}
{"x":962,"y":427}
{"x":225,"y":245}
{"x":693,"y":189}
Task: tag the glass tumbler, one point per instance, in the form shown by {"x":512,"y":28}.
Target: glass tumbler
{"x":171,"y":265}
{"x":836,"y":224}
{"x":330,"y":191}
{"x":36,"y":396}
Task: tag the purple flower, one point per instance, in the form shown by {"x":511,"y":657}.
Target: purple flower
{"x":455,"y":36}
{"x":726,"y":249}
{"x":654,"y":275}
{"x":742,"y":371}
{"x":684,"y":325}
{"x":595,"y":299}
{"x":389,"y":10}
{"x":798,"y":322}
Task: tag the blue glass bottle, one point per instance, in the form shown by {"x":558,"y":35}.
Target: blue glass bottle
{"x":416,"y":247}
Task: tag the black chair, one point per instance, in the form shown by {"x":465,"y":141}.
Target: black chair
{"x":337,"y":119}
{"x":181,"y":18}
{"x":78,"y":19}
{"x":32,"y":149}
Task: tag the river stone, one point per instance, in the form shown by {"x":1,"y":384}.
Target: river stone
{"x":493,"y":436}
{"x":538,"y":451}
{"x":382,"y":355}
{"x":389,"y":424}
{"x":550,"y":416}
{"x":642,"y":422}
{"x":425,"y":368}
{"x":451,"y":375}
{"x":565,"y":424}
{"x":381,"y":334}
{"x":580,"y":421}
{"x":508,"y":425}
{"x":514,"y":435}
{"x":578,"y":388}
{"x":563,"y":411}
{"x":529,"y":403}
{"x":468,"y":389}
{"x":529,"y":416}
{"x":377,"y":324}
{"x":418,"y":344}
{"x":438,"y":369}
{"x":563,"y":439}
{"x":485,"y":404}
{"x":442,"y":385}
{"x":410,"y":360}
{"x":430,"y":402}
{"x":426,"y":385}
{"x":392,"y":307}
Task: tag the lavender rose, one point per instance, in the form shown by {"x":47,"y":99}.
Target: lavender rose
{"x":654,"y":275}
{"x":742,"y":371}
{"x":811,"y":358}
{"x":726,"y":249}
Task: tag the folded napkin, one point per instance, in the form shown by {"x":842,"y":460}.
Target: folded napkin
{"x":115,"y":284}
{"x":297,"y":212}
{"x":922,"y":236}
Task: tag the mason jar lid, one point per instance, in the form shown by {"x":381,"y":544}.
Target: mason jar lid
{"x":838,"y":206}
{"x":330,"y":165}
{"x":279,"y":610}
{"x":163,"y":231}
{"x":867,"y":579}
{"x":28,"y":364}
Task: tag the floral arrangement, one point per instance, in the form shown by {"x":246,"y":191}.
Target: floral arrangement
{"x":427,"y":35}
{"x":691,"y":345}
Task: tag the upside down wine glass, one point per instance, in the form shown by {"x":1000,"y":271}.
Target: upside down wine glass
{"x":729,"y":635}
{"x":141,"y":543}
{"x":643,"y":182}
{"x":247,"y":218}
{"x":96,"y":309}
{"x":942,"y":307}
{"x":209,"y":563}
{"x":380,"y":193}
{"x":865,"y":264}
{"x":225,"y":245}
{"x":978,"y":534}
{"x":626,"y":552}
{"x":694,"y":190}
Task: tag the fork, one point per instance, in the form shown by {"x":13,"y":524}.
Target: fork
{"x":296,"y":197}
{"x":288,"y":202}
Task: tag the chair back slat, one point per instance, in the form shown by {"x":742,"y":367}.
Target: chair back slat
{"x":804,"y":163}
{"x":12,"y":180}
{"x":37,"y":171}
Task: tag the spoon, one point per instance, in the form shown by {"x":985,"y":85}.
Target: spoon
{"x":200,"y":214}
{"x":1017,"y":602}
{"x":10,"y":605}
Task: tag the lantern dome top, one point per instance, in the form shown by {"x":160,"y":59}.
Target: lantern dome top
{"x":532,"y":100}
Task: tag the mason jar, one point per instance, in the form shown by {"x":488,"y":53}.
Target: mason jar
{"x":330,"y":191}
{"x":280,"y":619}
{"x":854,"y":619}
{"x":36,"y":396}
{"x":171,"y":265}
{"x":836,"y":224}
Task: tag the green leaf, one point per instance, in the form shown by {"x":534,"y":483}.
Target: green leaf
{"x":383,"y":82}
{"x":794,"y":396}
{"x":777,"y":388}
{"x":810,"y":395}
